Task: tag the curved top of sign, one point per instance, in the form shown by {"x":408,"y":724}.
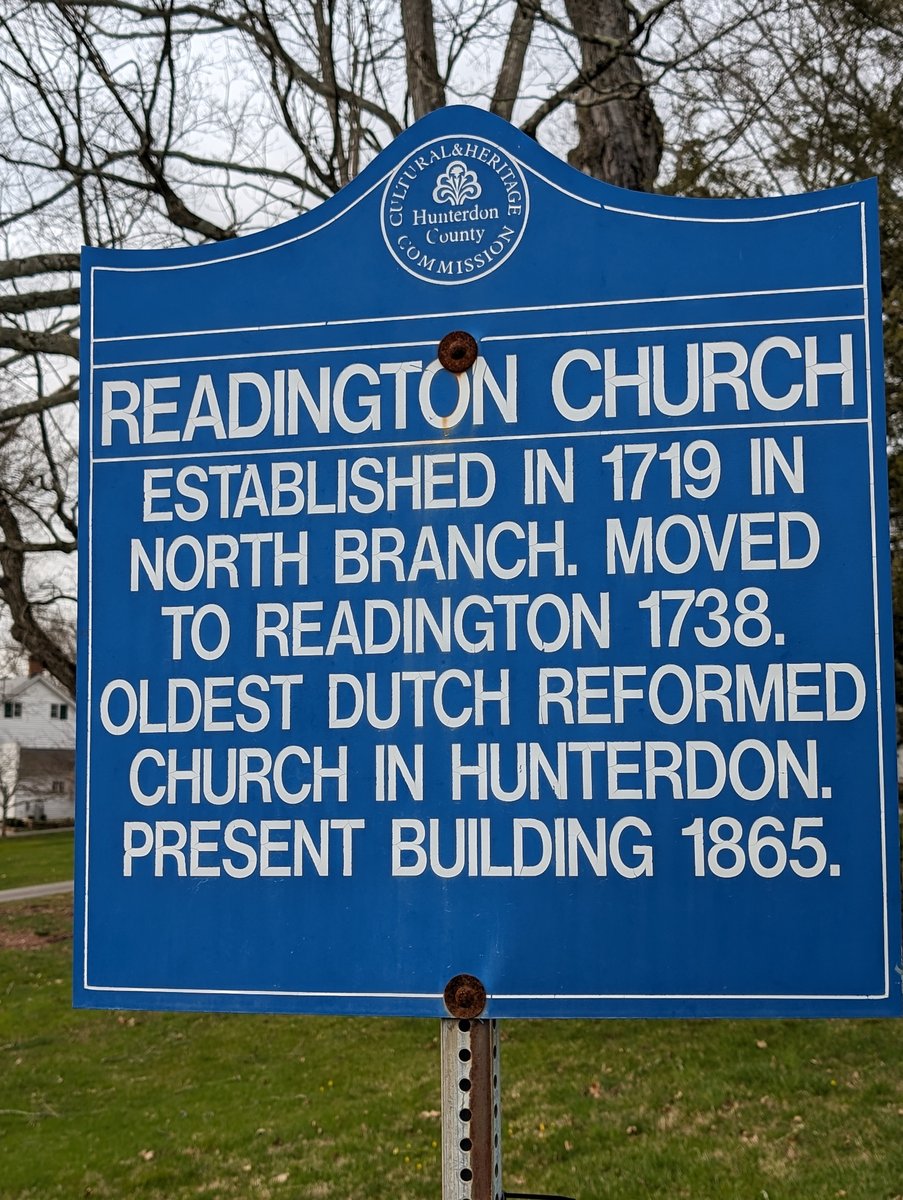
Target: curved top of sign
{"x":463,"y":214}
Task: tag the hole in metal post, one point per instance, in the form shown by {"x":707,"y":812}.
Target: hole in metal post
{"x":464,"y":1055}
{"x":465,"y":1114}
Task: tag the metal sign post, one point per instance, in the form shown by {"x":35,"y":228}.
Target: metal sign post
{"x":470,"y":1047}
{"x":471,"y":1110}
{"x":471,"y":1096}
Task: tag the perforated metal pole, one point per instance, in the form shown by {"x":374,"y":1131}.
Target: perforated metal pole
{"x":471,"y":1110}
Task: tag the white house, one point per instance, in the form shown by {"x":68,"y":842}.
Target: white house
{"x":37,"y":749}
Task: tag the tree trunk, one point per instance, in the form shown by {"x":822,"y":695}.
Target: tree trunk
{"x":620,"y":133}
{"x":25,"y":627}
{"x":511,"y":70}
{"x":425,"y":87}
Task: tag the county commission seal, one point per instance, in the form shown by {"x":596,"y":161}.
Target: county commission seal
{"x":454,"y":210}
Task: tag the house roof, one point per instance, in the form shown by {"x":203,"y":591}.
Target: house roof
{"x":41,"y":760}
{"x":18,"y":685}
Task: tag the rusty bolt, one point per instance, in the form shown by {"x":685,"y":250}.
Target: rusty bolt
{"x":458,"y":351}
{"x":465,"y":996}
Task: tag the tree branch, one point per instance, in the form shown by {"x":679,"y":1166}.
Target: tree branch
{"x":26,"y":629}
{"x":38,"y":264}
{"x":34,"y":341}
{"x":35,"y":301}
{"x":16,"y":412}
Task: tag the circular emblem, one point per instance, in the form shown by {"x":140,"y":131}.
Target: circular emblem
{"x":455,"y":210}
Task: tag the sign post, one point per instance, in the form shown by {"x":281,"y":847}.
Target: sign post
{"x":487,"y":574}
{"x":471,"y":1110}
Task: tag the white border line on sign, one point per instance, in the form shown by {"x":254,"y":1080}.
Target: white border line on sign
{"x":90,"y":623}
{"x":549,"y":996}
{"x":212,"y":262}
{"x":479,"y":312}
{"x":514,"y":997}
{"x":803,"y":212}
{"x":556,"y":186}
{"x":495,"y":337}
{"x":481,"y":439}
{"x":878,"y":690}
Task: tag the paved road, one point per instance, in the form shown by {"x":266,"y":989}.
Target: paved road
{"x":36,"y":891}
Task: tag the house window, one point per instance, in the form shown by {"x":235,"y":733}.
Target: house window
{"x":12,"y":708}
{"x":58,"y":787}
{"x":60,"y":711}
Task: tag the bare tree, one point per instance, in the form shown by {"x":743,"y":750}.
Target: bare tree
{"x":161,"y":122}
{"x":794,"y":96}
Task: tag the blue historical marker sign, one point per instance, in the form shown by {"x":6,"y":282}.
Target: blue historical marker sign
{"x":570,"y":671}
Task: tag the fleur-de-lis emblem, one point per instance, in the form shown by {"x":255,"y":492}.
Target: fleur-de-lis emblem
{"x":456,"y":184}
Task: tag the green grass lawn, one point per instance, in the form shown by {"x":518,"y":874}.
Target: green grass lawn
{"x":43,"y":858}
{"x":170,"y":1106}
